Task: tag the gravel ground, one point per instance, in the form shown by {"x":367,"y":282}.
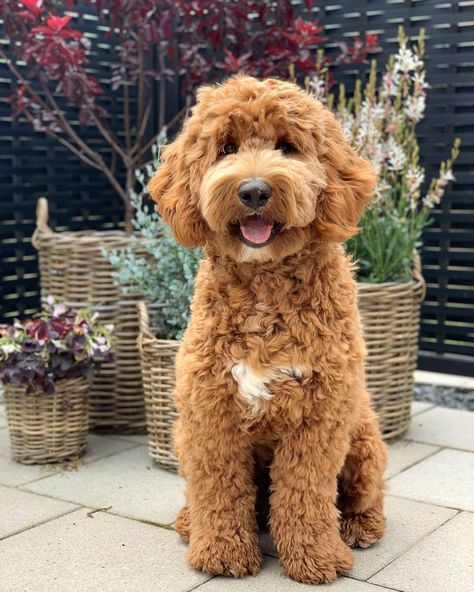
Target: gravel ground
{"x":444,"y":396}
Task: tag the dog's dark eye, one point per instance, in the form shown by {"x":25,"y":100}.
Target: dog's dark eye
{"x":229,"y":148}
{"x":286,"y":147}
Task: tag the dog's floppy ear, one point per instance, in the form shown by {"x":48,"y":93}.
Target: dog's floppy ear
{"x":350,"y":185}
{"x":174,"y":188}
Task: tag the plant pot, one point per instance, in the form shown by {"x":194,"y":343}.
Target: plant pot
{"x":390,"y":314}
{"x":157,"y":358}
{"x":48,"y":428}
{"x":74,"y":271}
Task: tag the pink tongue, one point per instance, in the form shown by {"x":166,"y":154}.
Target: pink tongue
{"x":256,"y":229}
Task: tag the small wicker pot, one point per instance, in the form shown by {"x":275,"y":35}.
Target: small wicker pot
{"x":157,"y":357}
{"x":390,"y":314}
{"x":74,"y":271}
{"x":48,"y":428}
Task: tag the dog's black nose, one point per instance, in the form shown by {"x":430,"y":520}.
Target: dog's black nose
{"x":254,"y":193}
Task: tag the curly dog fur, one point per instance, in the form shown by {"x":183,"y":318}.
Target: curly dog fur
{"x":273,"y":411}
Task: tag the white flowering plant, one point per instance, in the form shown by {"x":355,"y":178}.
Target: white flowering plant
{"x":380,"y":123}
{"x":165,"y":274}
{"x":56,"y":344}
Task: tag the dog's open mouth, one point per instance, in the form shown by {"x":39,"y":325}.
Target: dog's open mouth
{"x":256,"y":231}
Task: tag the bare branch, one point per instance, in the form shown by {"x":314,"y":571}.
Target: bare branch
{"x":162,"y":91}
{"x":126,"y":116}
{"x":142,"y":129}
{"x":181,"y":113}
{"x":137,"y":151}
{"x":141,"y":87}
{"x":65,"y":143}
{"x":63,"y":123}
{"x":114,"y":143}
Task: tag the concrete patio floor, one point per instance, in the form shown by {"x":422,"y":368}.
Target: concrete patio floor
{"x":51,"y":542}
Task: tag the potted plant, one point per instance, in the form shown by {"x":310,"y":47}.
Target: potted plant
{"x":48,"y":59}
{"x":46,"y":366}
{"x":380,"y":122}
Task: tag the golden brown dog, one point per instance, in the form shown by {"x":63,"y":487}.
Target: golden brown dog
{"x":270,"y":370}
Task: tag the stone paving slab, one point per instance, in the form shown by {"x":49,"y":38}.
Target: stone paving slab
{"x":13,"y":473}
{"x":130,"y":482}
{"x":70,"y":554}
{"x":3,"y":417}
{"x":437,"y":378}
{"x":138,"y":438}
{"x":20,"y":510}
{"x":445,"y":479}
{"x":271,"y":580}
{"x":407,"y":523}
{"x":403,"y":454}
{"x":442,"y":562}
{"x":444,"y":427}
{"x":104,"y":553}
{"x":418,"y":407}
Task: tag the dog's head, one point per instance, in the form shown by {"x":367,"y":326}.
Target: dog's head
{"x":260,"y":169}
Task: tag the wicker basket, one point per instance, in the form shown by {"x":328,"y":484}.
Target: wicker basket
{"x":391,"y":319}
{"x":158,"y":371}
{"x":48,"y":428}
{"x":390,"y":314}
{"x":73,"y":270}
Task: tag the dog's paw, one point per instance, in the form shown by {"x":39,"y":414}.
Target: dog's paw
{"x":318,"y":563}
{"x":230,"y":556}
{"x":182,"y":524}
{"x":362,"y":530}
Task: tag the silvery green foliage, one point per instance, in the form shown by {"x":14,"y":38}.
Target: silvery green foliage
{"x":165,"y":275}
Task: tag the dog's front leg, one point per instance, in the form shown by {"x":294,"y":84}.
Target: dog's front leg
{"x":221,"y":494}
{"x":303,"y":517}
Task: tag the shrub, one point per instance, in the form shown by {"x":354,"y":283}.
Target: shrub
{"x":380,"y":122}
{"x":166,"y":274}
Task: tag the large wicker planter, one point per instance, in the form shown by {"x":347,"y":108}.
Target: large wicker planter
{"x":391,"y":319}
{"x":390,"y":314}
{"x":73,"y":270}
{"x":48,"y":428}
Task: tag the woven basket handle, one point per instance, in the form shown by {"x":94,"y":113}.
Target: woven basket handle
{"x":143,"y":323}
{"x":42,"y":226}
{"x":418,"y":276}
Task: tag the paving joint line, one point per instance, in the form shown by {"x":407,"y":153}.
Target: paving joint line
{"x":417,"y":462}
{"x":79,"y":506}
{"x":52,"y":519}
{"x":442,"y":445}
{"x":428,"y":534}
{"x":166,"y":525}
{"x":202,"y":583}
{"x":411,"y":499}
{"x":64,"y":471}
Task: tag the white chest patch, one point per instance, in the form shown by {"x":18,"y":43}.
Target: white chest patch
{"x":253,"y":387}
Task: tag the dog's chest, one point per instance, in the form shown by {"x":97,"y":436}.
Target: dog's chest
{"x":256,"y":387}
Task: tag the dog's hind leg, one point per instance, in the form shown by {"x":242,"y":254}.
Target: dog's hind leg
{"x":361,"y":484}
{"x":182,"y":524}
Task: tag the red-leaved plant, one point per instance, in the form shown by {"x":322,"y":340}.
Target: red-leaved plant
{"x":57,"y":344}
{"x":192,"y":41}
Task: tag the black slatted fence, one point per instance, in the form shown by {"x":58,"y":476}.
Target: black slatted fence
{"x":447,"y":328}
